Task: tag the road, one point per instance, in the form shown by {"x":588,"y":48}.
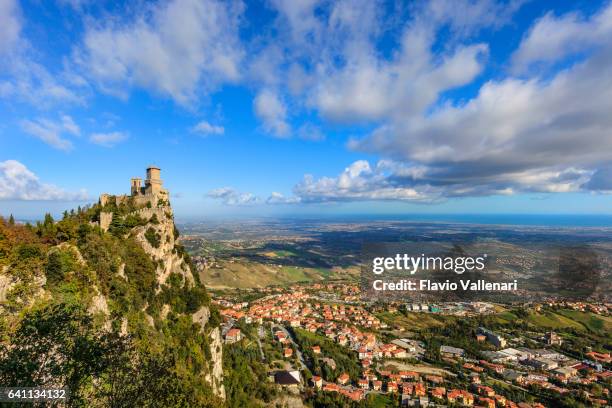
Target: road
{"x":260,"y":335}
{"x":298,"y":352}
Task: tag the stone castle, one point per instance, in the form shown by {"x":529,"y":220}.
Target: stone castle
{"x":151,"y":192}
{"x":151,"y":195}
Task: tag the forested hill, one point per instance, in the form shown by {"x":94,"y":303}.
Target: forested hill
{"x":118,"y":316}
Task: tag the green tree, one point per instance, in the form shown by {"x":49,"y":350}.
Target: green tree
{"x":59,"y":346}
{"x":55,"y":345}
{"x":152,"y":237}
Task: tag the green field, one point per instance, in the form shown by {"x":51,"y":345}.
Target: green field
{"x":294,"y":274}
{"x":284,"y":253}
{"x":543,"y":320}
{"x":414,"y":321}
{"x":551,"y":320}
{"x":590,"y":321}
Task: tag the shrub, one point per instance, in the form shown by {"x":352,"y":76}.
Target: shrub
{"x":152,"y":237}
{"x":58,"y":264}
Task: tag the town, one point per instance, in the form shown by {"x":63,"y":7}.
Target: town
{"x":320,"y":340}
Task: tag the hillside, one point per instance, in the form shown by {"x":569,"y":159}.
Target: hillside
{"x":106,"y":303}
{"x":243,"y":273}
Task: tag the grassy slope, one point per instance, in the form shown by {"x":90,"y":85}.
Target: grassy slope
{"x":552,"y":320}
{"x":596,"y":323}
{"x":246,"y":274}
{"x":548,"y":319}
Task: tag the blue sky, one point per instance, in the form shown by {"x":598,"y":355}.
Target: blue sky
{"x":309,"y":106}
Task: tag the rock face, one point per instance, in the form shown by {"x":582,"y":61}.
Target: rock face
{"x":216,"y":350}
{"x":6,"y":283}
{"x":201,"y":316}
{"x":162,"y":248}
{"x":105,"y":220}
{"x":158,"y":239}
{"x":215,"y":377}
{"x":98,"y":305}
{"x":147,"y":218}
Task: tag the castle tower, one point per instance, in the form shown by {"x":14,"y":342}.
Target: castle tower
{"x":136,"y":186}
{"x":153,"y":183}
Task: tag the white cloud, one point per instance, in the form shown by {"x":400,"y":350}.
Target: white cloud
{"x":369,"y":88}
{"x":10,"y":25}
{"x":331,"y":60}
{"x":230,"y":196}
{"x":555,"y":37}
{"x":23,"y":79}
{"x":109,"y":139}
{"x":304,"y":26}
{"x":52,"y":132}
{"x":545,"y":135}
{"x":19,"y":183}
{"x":465,"y":17}
{"x":205,"y":128}
{"x":357,"y":182}
{"x":528,"y":135}
{"x":181,"y":49}
{"x":70,"y":126}
{"x":272,"y":111}
{"x":265,"y":65}
{"x":278,"y":198}
{"x":308,"y":131}
{"x":396,"y":181}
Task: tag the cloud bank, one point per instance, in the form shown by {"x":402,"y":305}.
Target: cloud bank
{"x":19,"y":183}
{"x":181,"y":49}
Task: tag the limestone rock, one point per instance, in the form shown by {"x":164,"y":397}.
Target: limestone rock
{"x":105,"y":220}
{"x":215,"y":378}
{"x":149,"y":320}
{"x":201,"y":316}
{"x":6,"y":284}
{"x":98,"y":305}
{"x":169,"y":261}
{"x":121,"y":271}
{"x":164,"y":311}
{"x":124,"y":327}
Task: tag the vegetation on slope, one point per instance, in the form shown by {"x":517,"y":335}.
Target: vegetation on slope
{"x":54,"y":272}
{"x":245,"y":379}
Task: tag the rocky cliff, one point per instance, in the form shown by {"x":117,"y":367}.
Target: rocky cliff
{"x":158,"y":237}
{"x":162,"y":248}
{"x":121,"y":264}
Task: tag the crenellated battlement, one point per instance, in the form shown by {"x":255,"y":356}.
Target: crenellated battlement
{"x":151,"y":192}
